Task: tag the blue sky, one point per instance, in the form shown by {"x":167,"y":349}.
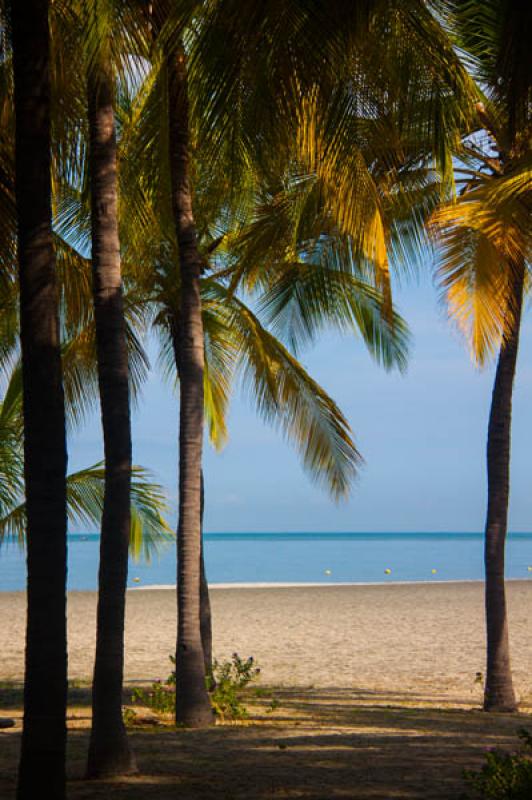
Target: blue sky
{"x":422,"y":436}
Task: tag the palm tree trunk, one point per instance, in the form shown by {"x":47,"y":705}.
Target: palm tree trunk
{"x":42,"y":762}
{"x":109,"y":752}
{"x":499,"y":692}
{"x":192,"y":702}
{"x":205,"y":601}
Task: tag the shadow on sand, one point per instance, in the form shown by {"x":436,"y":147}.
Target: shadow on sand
{"x":332,"y":743}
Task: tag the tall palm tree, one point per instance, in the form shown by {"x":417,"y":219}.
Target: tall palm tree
{"x":250,"y":100}
{"x":486,"y":249}
{"x":45,"y":689}
{"x":193,"y":707}
{"x":109,"y":750}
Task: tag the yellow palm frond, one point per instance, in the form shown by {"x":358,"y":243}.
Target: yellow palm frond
{"x":480,"y":241}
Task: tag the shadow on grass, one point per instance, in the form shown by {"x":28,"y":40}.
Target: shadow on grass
{"x":318,"y":744}
{"x":79,"y":694}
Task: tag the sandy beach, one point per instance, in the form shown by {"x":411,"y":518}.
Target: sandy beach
{"x":375,"y":693}
{"x":422,"y":640}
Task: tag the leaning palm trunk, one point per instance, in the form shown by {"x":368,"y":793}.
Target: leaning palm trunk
{"x":192,"y":701}
{"x":42,"y":762}
{"x":109,"y":752}
{"x":499,"y":692}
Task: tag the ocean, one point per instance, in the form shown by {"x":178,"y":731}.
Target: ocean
{"x":322,"y":558}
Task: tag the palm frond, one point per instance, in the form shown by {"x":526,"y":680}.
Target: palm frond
{"x":287,"y":397}
{"x":309,"y":297}
{"x":85,"y":491}
{"x":481,"y":236}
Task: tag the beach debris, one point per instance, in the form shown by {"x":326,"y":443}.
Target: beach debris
{"x":327,"y":571}
{"x":7,"y":722}
{"x":387,"y":571}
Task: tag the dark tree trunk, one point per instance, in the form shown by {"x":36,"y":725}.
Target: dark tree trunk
{"x":42,"y":762}
{"x":499,"y":692}
{"x":192,"y":702}
{"x":205,"y":601}
{"x":109,"y":752}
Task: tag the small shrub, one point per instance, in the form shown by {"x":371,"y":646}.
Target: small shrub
{"x":227,"y":681}
{"x":504,"y":776}
{"x":160,"y":697}
{"x":224,"y":684}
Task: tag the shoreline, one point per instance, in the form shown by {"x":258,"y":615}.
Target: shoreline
{"x":156,"y":587}
{"x":316,"y":585}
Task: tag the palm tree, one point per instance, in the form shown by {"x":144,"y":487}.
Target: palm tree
{"x":193,"y":707}
{"x":485,"y":238}
{"x":237,"y":343}
{"x":45,"y":689}
{"x":192,"y":702}
{"x":250,"y":102}
{"x":109,"y":751}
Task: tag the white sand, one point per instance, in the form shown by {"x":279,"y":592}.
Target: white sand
{"x":420,"y":639}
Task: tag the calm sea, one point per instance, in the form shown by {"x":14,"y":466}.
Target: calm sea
{"x":298,"y":558}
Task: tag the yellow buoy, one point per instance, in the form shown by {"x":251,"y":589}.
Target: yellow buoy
{"x":434,"y":571}
{"x":529,"y":569}
{"x":136,"y":580}
{"x":387,"y":572}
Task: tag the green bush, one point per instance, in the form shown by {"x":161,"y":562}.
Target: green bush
{"x":160,"y":697}
{"x":225,"y":684}
{"x":227,"y":681}
{"x":504,"y":776}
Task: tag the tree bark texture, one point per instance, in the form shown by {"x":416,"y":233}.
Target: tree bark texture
{"x":499,"y":692}
{"x":192,"y":702}
{"x":109,"y":751}
{"x":205,"y":601}
{"x":42,"y":761}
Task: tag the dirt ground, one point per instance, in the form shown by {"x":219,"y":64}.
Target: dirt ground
{"x":329,"y":743}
